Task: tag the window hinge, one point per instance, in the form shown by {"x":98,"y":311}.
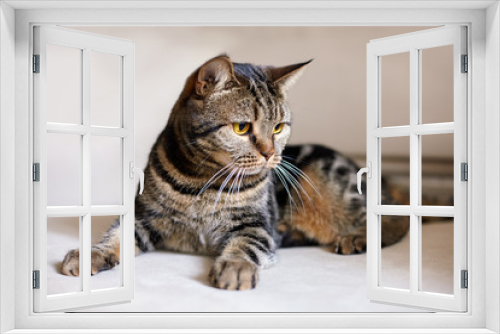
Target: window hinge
{"x":465,"y":64}
{"x":36,"y":63}
{"x":465,"y":279}
{"x":36,"y":172}
{"x":36,"y":279}
{"x":464,"y":171}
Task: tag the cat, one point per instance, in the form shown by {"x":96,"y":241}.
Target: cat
{"x":221,"y":181}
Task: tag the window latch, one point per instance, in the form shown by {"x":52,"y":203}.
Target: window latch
{"x":368,"y":171}
{"x":132,"y":171}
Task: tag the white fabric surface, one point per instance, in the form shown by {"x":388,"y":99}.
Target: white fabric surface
{"x":305,"y":279}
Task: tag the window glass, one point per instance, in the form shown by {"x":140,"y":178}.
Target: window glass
{"x":64,"y":84}
{"x":108,"y":227}
{"x":64,"y":168}
{"x":395,"y":170}
{"x":437,"y":84}
{"x":437,"y":169}
{"x":62,"y":236}
{"x":105,"y":89}
{"x":106,"y":170}
{"x":395,"y":259}
{"x":437,"y":254}
{"x":395,"y":89}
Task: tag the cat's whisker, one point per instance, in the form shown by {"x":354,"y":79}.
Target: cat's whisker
{"x":190,"y":143}
{"x":226,"y":183}
{"x":238,"y":184}
{"x":229,"y":192}
{"x":211,"y":181}
{"x":296,"y":186}
{"x":235,"y":192}
{"x":201,"y":163}
{"x":241,"y":181}
{"x":223,"y":185}
{"x":294,"y":179}
{"x":289,"y":178}
{"x":303,"y":175}
{"x":231,"y":189}
{"x":289,"y":197}
{"x":294,"y":159}
{"x":283,"y":181}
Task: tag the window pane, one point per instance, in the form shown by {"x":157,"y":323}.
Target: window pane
{"x":395,"y":170}
{"x":64,"y":84}
{"x":395,"y":89}
{"x":437,"y":255}
{"x":108,"y":228}
{"x":62,"y":236}
{"x":437,"y":169}
{"x":106,"y":170}
{"x":64,"y":165}
{"x":437,"y":84}
{"x":105,"y":89}
{"x":395,"y":259}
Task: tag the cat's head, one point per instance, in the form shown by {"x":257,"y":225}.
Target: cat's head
{"x":237,"y":113}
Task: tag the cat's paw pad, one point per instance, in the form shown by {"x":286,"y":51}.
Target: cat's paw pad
{"x":71,"y":263}
{"x":103,"y":261}
{"x":233,"y":275}
{"x":350,"y":244}
{"x":99,"y":262}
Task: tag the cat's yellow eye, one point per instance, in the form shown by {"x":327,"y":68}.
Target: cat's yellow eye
{"x":278,"y":128}
{"x":241,"y":128}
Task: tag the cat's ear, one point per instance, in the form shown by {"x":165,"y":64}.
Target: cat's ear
{"x":284,"y":77}
{"x":215,"y":75}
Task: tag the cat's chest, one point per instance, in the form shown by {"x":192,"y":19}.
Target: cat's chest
{"x":201,"y":223}
{"x":209,"y":226}
{"x":198,"y":233}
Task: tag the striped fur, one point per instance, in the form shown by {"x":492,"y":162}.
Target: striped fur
{"x":211,"y":191}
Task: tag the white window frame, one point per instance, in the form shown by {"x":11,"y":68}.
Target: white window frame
{"x":484,"y":147}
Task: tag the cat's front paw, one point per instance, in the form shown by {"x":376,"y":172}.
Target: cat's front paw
{"x":350,"y":244}
{"x":233,"y":274}
{"x":71,"y":263}
{"x":99,"y":261}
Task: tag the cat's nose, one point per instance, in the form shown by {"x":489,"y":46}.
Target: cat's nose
{"x":267,"y":154}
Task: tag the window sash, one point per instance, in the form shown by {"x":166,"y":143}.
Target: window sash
{"x":87,"y":43}
{"x":413,"y":43}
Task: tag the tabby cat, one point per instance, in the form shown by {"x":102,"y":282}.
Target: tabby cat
{"x":221,"y":182}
